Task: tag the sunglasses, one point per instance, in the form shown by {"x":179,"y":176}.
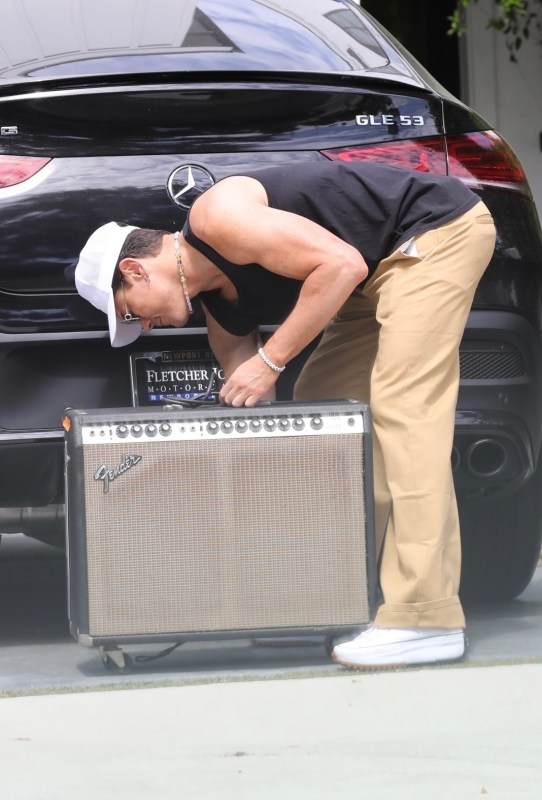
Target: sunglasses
{"x":127,"y":316}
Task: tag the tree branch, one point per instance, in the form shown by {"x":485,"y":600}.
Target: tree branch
{"x":517,"y":20}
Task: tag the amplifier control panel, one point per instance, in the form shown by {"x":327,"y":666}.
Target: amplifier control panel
{"x":210,"y":426}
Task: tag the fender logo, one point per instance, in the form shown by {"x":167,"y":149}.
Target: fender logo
{"x":107,"y":475}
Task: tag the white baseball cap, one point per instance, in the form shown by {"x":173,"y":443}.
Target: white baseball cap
{"x":94,"y":274}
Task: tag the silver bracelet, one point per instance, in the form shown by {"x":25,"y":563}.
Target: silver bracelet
{"x":269,"y":362}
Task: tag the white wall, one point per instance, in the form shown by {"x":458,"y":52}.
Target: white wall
{"x":507,"y":94}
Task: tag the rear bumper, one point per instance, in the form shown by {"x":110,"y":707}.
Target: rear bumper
{"x":499,"y":412}
{"x":498,"y":431}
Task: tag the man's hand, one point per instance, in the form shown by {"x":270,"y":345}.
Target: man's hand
{"x":248,"y":378}
{"x":250,"y":382}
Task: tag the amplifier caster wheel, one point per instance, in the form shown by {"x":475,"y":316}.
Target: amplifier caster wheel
{"x":329,"y":644}
{"x":115,"y":660}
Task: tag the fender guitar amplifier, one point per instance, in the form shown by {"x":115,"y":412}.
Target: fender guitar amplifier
{"x":218,"y":522}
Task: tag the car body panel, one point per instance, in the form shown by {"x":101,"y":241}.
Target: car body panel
{"x":103,"y":106}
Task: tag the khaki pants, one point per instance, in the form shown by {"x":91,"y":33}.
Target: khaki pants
{"x":395,"y":345}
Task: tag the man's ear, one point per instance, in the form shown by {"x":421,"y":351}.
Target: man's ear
{"x":131,"y":268}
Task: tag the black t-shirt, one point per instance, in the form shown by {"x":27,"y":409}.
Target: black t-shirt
{"x":373,"y":207}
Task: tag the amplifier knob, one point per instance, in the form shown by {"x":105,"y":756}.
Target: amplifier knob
{"x":212,"y":427}
{"x":298,"y":424}
{"x":316,"y":423}
{"x":136,"y":430}
{"x":227,"y":427}
{"x":165,"y":429}
{"x":122,"y":431}
{"x":255,"y":425}
{"x":151,"y":429}
{"x":270,"y":424}
{"x":241,"y":426}
{"x":284,"y":424}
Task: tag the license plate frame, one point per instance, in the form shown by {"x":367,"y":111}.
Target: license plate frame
{"x":182,"y":374}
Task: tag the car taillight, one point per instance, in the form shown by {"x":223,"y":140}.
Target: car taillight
{"x":427,"y":154}
{"x":481,"y":158}
{"x":16,"y":169}
{"x":485,"y":158}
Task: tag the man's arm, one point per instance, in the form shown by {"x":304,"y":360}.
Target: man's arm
{"x":232,"y":351}
{"x":234,"y":218}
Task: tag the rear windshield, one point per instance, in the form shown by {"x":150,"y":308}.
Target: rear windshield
{"x":216,"y":35}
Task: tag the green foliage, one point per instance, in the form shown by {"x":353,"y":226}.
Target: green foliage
{"x":517,"y":20}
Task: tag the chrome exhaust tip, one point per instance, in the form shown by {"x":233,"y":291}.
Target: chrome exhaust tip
{"x":486,"y":458}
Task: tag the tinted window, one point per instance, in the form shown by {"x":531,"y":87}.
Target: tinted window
{"x":168,"y":35}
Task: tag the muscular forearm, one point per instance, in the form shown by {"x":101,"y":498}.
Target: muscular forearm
{"x":318,"y":302}
{"x":232,"y":351}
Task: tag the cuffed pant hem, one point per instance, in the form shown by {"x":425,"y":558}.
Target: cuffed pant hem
{"x":446,"y":613}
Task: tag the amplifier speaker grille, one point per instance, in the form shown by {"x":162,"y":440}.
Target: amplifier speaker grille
{"x":224,"y":535}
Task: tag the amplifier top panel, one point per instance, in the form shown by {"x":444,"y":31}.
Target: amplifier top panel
{"x":283,"y":419}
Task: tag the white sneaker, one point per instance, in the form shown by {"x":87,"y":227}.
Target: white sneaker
{"x":385,"y":647}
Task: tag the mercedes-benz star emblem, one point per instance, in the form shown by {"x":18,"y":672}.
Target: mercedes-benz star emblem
{"x":186,"y":183}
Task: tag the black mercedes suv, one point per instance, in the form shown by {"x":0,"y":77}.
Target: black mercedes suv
{"x":128,"y":115}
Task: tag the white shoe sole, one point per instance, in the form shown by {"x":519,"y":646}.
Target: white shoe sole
{"x":431,"y":650}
